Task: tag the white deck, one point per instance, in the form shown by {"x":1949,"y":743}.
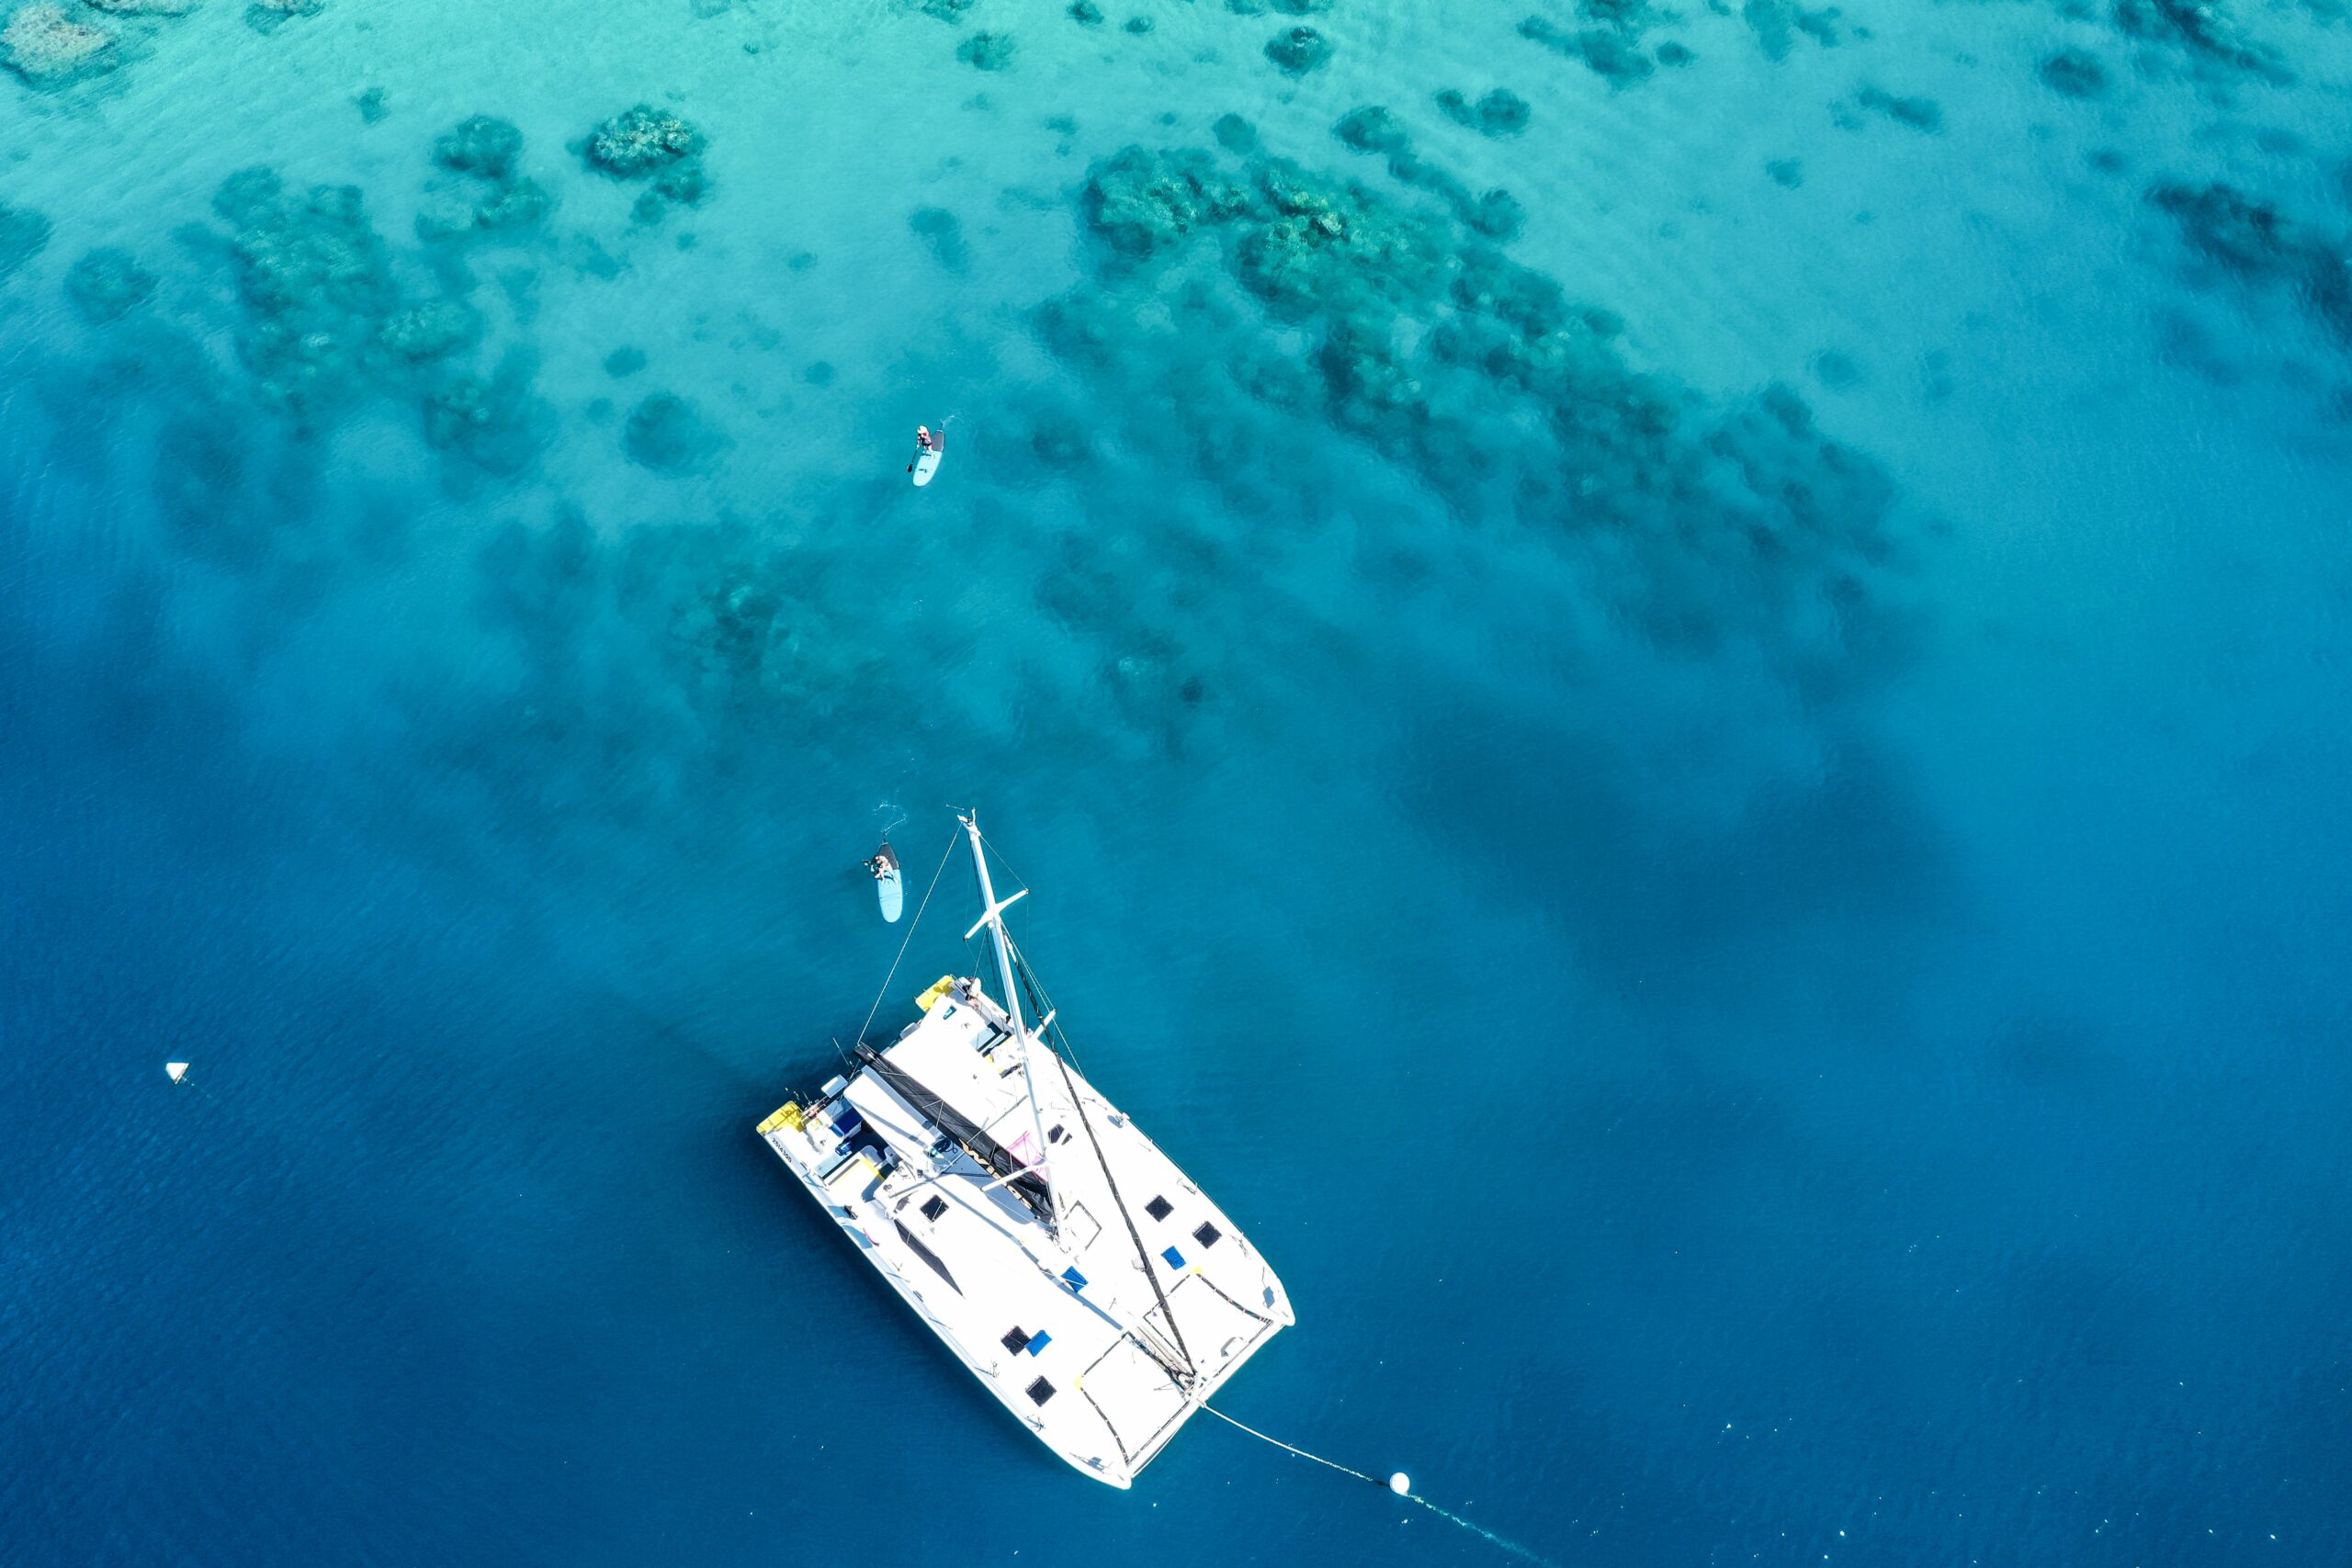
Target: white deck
{"x":978,"y":1265}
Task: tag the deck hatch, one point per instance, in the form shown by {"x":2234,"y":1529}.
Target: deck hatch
{"x":1040,"y":1392}
{"x":1016,"y":1341}
{"x":933,"y":1206}
{"x":1208,"y":1234}
{"x":1160,"y":1208}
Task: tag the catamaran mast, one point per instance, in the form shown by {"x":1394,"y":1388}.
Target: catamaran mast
{"x":993,"y":919}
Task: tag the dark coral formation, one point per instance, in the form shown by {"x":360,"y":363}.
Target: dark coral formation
{"x":1086,"y":13}
{"x":492,"y":193}
{"x":1609,"y":41}
{"x":1777,"y":25}
{"x":669,"y":434}
{"x":1612,"y":38}
{"x":106,"y":284}
{"x":1920,"y":114}
{"x":317,"y":286}
{"x":268,"y":16}
{"x":1484,"y":377}
{"x":986,"y":51}
{"x":1494,"y":213}
{"x":939,"y":230}
{"x":497,"y":423}
{"x":325,"y":325}
{"x":1298,"y":51}
{"x":431,"y":331}
{"x":2205,"y":32}
{"x":483,"y":145}
{"x":24,"y":235}
{"x":2252,"y":242}
{"x":2076,"y":73}
{"x":1500,"y":112}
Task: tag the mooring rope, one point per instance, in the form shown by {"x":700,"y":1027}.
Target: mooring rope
{"x":1332,"y":1465}
{"x":1397,"y":1485}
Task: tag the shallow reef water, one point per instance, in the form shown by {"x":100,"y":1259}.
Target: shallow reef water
{"x":1673,"y":679}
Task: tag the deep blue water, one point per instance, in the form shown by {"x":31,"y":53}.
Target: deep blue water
{"x":1736,"y":869}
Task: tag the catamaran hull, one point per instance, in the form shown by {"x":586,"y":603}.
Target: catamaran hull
{"x":1088,"y":1283}
{"x":908,"y":1292}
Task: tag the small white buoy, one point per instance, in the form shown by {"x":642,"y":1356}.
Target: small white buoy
{"x":175,"y":1070}
{"x":1400,"y":1483}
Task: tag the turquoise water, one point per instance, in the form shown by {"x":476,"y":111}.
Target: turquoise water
{"x":1710,"y":795}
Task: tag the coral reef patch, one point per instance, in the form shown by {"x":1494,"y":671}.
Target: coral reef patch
{"x":2252,"y":242}
{"x":42,"y":44}
{"x":642,"y":141}
{"x":268,"y":16}
{"x":106,"y":284}
{"x":1298,"y":51}
{"x":1493,"y":213}
{"x":2075,"y":74}
{"x":941,"y":231}
{"x":2205,"y":33}
{"x":986,"y":51}
{"x":489,"y":192}
{"x":645,"y":142}
{"x":317,"y":287}
{"x":1479,"y":375}
{"x":669,"y":434}
{"x":1500,"y":112}
{"x":1609,"y":42}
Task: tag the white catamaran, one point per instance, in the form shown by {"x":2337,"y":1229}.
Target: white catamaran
{"x":1079,"y":1275}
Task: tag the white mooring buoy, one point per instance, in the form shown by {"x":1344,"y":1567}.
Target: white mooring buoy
{"x":1400,"y":1483}
{"x":176,"y":1071}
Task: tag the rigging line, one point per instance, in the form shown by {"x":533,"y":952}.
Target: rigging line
{"x":1120,"y":1203}
{"x":903,"y":940}
{"x":1043,"y":1003}
{"x":1038,"y":994}
{"x":1503,"y":1543}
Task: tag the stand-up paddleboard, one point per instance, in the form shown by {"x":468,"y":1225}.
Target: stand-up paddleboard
{"x":926,"y":464}
{"x":887,"y":886}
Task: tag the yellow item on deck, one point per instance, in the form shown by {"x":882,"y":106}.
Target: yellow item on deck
{"x":786,"y":1115}
{"x":939,"y":988}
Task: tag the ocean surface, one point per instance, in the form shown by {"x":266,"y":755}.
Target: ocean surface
{"x":1713,"y":793}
